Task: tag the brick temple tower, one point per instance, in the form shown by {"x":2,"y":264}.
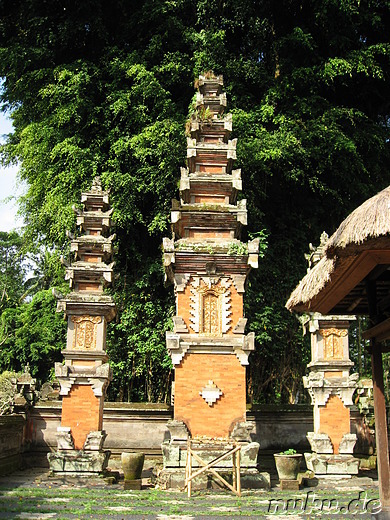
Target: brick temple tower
{"x":85,"y":374}
{"x":208,"y":265}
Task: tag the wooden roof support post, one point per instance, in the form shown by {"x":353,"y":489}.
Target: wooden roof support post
{"x":382,"y":444}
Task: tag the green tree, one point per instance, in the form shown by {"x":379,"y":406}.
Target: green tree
{"x":12,"y":270}
{"x":33,"y":334}
{"x":104,"y":89}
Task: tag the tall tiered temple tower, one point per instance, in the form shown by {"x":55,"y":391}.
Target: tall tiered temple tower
{"x":85,"y":374}
{"x":208,"y":265}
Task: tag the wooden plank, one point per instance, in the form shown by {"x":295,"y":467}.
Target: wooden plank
{"x":189,"y":476}
{"x":188,"y":470}
{"x":351,"y":275}
{"x":380,"y":332}
{"x":238,"y":469}
{"x":235,"y":471}
{"x":380,"y":426}
{"x":333,"y":293}
{"x":212,"y":471}
{"x":214,"y":462}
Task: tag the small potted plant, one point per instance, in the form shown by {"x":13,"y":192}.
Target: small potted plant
{"x":287,"y":464}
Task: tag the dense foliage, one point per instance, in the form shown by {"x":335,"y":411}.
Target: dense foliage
{"x":104,"y":88}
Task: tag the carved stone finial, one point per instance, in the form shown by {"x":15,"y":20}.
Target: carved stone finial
{"x":316,"y":253}
{"x":96,"y":185}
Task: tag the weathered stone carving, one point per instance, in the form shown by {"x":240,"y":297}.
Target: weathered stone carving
{"x":178,"y":430}
{"x":95,"y":440}
{"x":333,"y":342}
{"x":320,"y":442}
{"x":85,"y":332}
{"x":241,"y":431}
{"x":64,"y":438}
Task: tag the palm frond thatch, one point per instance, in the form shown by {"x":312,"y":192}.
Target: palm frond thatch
{"x":371,"y":220}
{"x":368,"y":226}
{"x":312,"y":283}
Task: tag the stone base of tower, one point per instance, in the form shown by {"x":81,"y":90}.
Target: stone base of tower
{"x":174,"y":451}
{"x":174,"y":478}
{"x":79,"y":462}
{"x":325,"y":463}
{"x":90,"y":460}
{"x":332,"y":466}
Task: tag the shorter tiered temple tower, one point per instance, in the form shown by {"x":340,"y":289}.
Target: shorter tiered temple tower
{"x":85,"y":373}
{"x":331,"y":387}
{"x":208,"y":265}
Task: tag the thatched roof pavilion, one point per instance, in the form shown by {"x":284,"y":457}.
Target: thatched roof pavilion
{"x":361,"y":242}
{"x":353,"y":277}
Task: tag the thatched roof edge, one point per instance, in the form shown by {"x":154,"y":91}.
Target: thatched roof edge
{"x":370,"y":220}
{"x":311,"y":284}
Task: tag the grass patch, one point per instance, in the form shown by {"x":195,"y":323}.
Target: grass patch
{"x":105,"y":502}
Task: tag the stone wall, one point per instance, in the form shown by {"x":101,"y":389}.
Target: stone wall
{"x":142,"y":427}
{"x":12,"y":433}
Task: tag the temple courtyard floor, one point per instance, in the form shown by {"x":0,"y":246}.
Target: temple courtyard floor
{"x":35,"y":494}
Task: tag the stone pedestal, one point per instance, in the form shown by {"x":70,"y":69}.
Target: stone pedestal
{"x":85,"y":373}
{"x":91,"y":459}
{"x":331,"y":387}
{"x":175,"y":456}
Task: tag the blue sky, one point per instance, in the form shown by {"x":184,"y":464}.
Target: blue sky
{"x":8,"y":185}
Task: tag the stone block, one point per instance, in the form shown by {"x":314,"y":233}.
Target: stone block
{"x":56,"y":462}
{"x":347,"y":443}
{"x":368,"y":462}
{"x":325,"y":465}
{"x":95,"y":441}
{"x":171,"y":454}
{"x":171,"y":478}
{"x":178,"y":430}
{"x":64,"y":438}
{"x":132,"y":484}
{"x":315,"y":463}
{"x":320,"y":442}
{"x":78,"y":462}
{"x":249,"y":454}
{"x":253,"y":479}
{"x":289,"y":485}
{"x":241,"y":431}
{"x":339,"y":465}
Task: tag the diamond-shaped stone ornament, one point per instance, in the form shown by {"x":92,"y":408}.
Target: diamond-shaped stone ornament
{"x":210,"y":393}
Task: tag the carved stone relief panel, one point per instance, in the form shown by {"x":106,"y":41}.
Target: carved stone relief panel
{"x":210,"y":319}
{"x":210,"y":306}
{"x":333,"y":342}
{"x":85,"y":332}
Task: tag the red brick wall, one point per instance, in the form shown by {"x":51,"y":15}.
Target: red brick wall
{"x":206,"y":233}
{"x":210,"y":199}
{"x":334,"y":420}
{"x":83,"y":412}
{"x":192,"y":375}
{"x":183,"y":305}
{"x":237,"y":302}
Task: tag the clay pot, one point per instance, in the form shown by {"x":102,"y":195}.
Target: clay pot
{"x":132,"y":464}
{"x":287,"y":466}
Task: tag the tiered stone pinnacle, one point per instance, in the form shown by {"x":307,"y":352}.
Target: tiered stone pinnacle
{"x":208,"y":264}
{"x":85,"y":374}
